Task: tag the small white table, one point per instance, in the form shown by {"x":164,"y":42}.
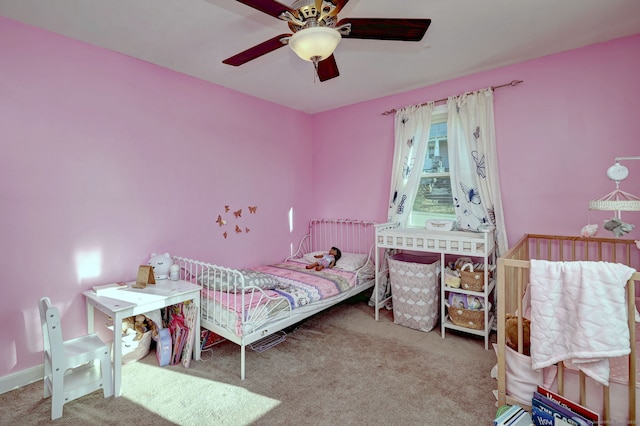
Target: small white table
{"x":127,"y":302}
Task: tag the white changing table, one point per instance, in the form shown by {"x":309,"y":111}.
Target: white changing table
{"x":457,"y":243}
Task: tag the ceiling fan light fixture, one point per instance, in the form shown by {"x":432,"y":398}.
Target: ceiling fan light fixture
{"x":315,"y":43}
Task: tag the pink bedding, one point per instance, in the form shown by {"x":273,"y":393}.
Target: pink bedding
{"x":233,"y":301}
{"x":296,"y":284}
{"x":303,"y":286}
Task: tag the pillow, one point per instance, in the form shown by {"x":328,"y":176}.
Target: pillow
{"x":351,"y":261}
{"x":348,"y":261}
{"x":220,"y":282}
{"x":310,"y":257}
{"x":259,"y":279}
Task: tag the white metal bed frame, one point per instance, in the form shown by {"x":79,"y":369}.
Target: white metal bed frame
{"x":351,"y":236}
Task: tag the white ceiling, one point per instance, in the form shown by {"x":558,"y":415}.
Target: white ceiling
{"x":465,"y":37}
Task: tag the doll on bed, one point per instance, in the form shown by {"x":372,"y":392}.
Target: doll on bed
{"x":326,"y":260}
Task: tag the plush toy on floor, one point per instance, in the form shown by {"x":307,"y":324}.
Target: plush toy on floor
{"x":161,"y":264}
{"x":511,"y":333}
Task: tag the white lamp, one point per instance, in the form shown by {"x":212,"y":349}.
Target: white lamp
{"x":314,"y":44}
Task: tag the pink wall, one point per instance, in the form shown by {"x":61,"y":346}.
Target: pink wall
{"x":557,"y":133}
{"x":103,"y":154}
{"x":115,"y":158}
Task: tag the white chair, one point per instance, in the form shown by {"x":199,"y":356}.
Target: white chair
{"x":73,"y":368}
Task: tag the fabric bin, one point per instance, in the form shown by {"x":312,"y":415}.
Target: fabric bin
{"x":132,"y":349}
{"x":415,"y":290}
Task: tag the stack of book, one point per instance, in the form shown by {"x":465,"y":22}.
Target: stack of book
{"x":551,"y":409}
{"x":515,"y":415}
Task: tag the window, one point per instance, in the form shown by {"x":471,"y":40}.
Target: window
{"x":434,"y":199}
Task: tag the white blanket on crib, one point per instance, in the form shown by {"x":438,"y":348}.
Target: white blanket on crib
{"x":579,"y":315}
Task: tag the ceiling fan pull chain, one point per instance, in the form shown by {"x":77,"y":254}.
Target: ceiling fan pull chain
{"x":315,"y":71}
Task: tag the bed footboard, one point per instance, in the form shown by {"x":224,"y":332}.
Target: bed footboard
{"x":230,"y":307}
{"x":513,"y":277}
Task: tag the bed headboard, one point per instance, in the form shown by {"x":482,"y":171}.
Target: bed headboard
{"x":350,"y":236}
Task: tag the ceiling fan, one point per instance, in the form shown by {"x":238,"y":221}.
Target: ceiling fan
{"x":317,"y":32}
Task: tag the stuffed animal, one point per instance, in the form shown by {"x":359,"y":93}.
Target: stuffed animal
{"x":140,"y":324}
{"x":618,"y":227}
{"x":161,"y":264}
{"x":588,"y":231}
{"x":127,"y":323}
{"x":511,"y":333}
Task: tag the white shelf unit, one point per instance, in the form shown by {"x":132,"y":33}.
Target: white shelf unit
{"x":477,"y":245}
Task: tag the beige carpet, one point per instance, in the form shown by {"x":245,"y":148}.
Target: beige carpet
{"x":340,"y":367}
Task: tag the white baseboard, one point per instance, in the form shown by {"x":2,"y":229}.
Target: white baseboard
{"x":21,"y":378}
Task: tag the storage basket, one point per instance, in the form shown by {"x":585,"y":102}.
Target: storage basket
{"x":467,"y":318}
{"x":415,"y":291}
{"x":132,"y":349}
{"x":471,"y":280}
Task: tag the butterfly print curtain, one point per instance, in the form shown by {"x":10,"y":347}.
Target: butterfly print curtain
{"x":473,"y":164}
{"x":412,"y":125}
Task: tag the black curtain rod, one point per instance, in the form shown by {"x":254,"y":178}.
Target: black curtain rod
{"x":511,"y":84}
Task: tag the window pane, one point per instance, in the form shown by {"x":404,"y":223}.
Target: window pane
{"x":434,"y":200}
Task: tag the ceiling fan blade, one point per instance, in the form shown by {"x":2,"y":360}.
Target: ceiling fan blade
{"x":256,"y":51}
{"x":386,"y":28}
{"x":270,"y":7}
{"x":328,"y":69}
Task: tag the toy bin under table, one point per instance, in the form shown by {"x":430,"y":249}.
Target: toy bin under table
{"x":415,"y":290}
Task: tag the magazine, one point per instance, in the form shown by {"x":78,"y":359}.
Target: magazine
{"x":549,"y":413}
{"x":585,"y":412}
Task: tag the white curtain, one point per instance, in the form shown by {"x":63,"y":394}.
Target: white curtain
{"x":412,"y":125}
{"x":473,"y":164}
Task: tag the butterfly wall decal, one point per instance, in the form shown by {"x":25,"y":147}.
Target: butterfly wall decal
{"x":238,"y":215}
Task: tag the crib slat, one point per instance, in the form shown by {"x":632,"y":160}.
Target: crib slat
{"x":513,"y":275}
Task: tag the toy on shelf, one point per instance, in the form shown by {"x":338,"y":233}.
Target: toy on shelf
{"x":161,"y":264}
